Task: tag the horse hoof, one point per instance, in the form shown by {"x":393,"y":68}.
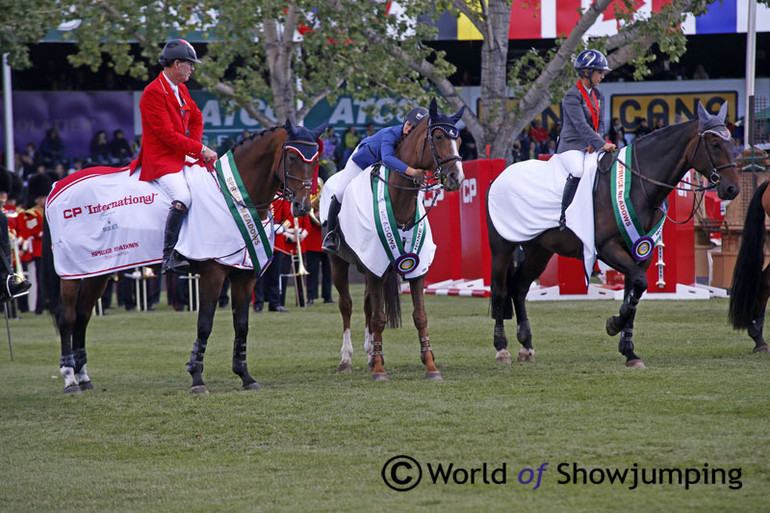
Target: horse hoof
{"x":199,"y":389}
{"x":527,"y":355}
{"x":611,"y":329}
{"x":434,"y":376}
{"x":86,"y":385}
{"x":72,"y":389}
{"x":503,"y":356}
{"x":345,"y":367}
{"x":636,"y":364}
{"x":250,"y":386}
{"x":762,"y":349}
{"x":380,"y":376}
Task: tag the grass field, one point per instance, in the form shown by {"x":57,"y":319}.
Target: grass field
{"x":315,"y":440}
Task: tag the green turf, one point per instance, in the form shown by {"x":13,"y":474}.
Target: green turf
{"x":315,"y":440}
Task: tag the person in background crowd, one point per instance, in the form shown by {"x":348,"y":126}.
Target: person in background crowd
{"x":172,"y":129}
{"x":370,"y":130}
{"x":642,"y":128}
{"x":30,"y":159}
{"x":100,"y":149}
{"x":349,"y":142}
{"x":330,"y":142}
{"x":39,"y":186}
{"x":11,"y":284}
{"x":583,"y":116}
{"x":468,"y":150}
{"x":538,"y":134}
{"x":77,"y":165}
{"x":317,"y":262}
{"x":52,"y":148}
{"x":120,"y":149}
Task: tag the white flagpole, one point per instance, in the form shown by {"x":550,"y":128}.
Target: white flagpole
{"x":8,"y":108}
{"x":751,"y":51}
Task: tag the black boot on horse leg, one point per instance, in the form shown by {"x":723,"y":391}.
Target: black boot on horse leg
{"x":755,"y":332}
{"x":240,"y":367}
{"x":172,"y":261}
{"x":84,"y":382}
{"x":195,"y":368}
{"x":331,"y":243}
{"x":524,"y":336}
{"x":627,"y":311}
{"x":570,"y":187}
{"x":626,"y":348}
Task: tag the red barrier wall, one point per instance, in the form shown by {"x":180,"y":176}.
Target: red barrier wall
{"x":476,"y":257}
{"x":444,"y":218}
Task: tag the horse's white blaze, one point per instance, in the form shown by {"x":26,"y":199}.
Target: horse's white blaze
{"x":68,"y":373}
{"x":459,"y":164}
{"x":347,"y":347}
{"x":368,"y":341}
{"x":82,"y":376}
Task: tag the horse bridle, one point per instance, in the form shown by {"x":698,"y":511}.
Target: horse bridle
{"x":451,"y":132}
{"x":296,"y":145}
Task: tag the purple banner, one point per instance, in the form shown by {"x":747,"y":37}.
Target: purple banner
{"x":77,"y":116}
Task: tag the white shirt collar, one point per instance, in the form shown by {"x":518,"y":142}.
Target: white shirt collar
{"x":174,"y":87}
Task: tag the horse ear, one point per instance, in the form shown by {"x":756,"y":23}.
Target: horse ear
{"x":320,"y":129}
{"x":458,"y":115}
{"x":433,"y":109}
{"x":289,"y":126}
{"x":703,"y":114}
{"x":722,"y":112}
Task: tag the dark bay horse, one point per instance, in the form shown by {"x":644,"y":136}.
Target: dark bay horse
{"x":432,"y":145}
{"x":662,"y":158}
{"x":277,"y":158}
{"x":751,"y":278}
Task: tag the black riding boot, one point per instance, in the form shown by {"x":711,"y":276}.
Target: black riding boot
{"x":566,"y":199}
{"x":331,"y":243}
{"x":173,"y":261}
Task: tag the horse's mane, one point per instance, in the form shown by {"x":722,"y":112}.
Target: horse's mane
{"x":662,"y":136}
{"x":252,"y":137}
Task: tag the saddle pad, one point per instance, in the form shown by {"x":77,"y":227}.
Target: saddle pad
{"x":356,"y":221}
{"x":103,"y":220}
{"x":525,"y":200}
{"x":209,"y":231}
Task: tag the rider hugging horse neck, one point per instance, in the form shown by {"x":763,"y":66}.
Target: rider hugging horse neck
{"x":277,"y":158}
{"x":660,"y":161}
{"x":432,"y":145}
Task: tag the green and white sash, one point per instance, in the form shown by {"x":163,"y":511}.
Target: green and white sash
{"x":403,"y":253}
{"x":640,"y":243}
{"x":258,"y":244}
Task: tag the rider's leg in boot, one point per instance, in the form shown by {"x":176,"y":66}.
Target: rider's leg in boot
{"x":331,"y":241}
{"x":172,"y":261}
{"x":566,"y":199}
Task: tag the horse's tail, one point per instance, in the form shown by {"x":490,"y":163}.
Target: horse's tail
{"x":51,"y":280}
{"x":392,"y":299}
{"x":747,"y":275}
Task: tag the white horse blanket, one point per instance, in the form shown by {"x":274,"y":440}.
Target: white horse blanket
{"x":525,"y":200}
{"x":357,"y":224}
{"x":104,"y":220}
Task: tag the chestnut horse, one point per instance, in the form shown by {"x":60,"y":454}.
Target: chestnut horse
{"x":432,"y":145}
{"x":662,"y":158}
{"x":277,"y":158}
{"x":751,"y":284}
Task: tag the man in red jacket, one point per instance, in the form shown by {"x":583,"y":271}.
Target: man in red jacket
{"x":172,"y":127}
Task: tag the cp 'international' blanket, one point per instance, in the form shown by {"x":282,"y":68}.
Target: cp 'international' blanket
{"x":358,"y":225}
{"x":103,"y":220}
{"x":525,"y":200}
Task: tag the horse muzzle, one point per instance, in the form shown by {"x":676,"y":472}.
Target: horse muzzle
{"x":454,"y":177}
{"x":300,"y":208}
{"x":727,"y":191}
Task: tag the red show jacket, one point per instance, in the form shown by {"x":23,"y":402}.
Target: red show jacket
{"x":167,"y":136}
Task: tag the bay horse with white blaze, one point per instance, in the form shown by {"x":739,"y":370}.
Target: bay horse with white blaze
{"x":431,"y":145}
{"x":277,"y":158}
{"x":661,"y":159}
{"x":751,"y":278}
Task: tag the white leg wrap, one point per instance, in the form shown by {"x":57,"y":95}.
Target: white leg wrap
{"x":368,"y":341}
{"x":82,"y":376}
{"x":347,"y":347}
{"x":68,"y":373}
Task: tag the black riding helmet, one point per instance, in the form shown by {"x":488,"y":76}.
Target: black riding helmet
{"x":177,"y":49}
{"x":415,"y":115}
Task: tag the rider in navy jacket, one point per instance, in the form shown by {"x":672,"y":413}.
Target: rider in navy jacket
{"x":379,"y":147}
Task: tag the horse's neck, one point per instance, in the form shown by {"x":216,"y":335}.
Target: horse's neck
{"x":664,"y":159}
{"x":403,"y":200}
{"x":256,"y":166}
